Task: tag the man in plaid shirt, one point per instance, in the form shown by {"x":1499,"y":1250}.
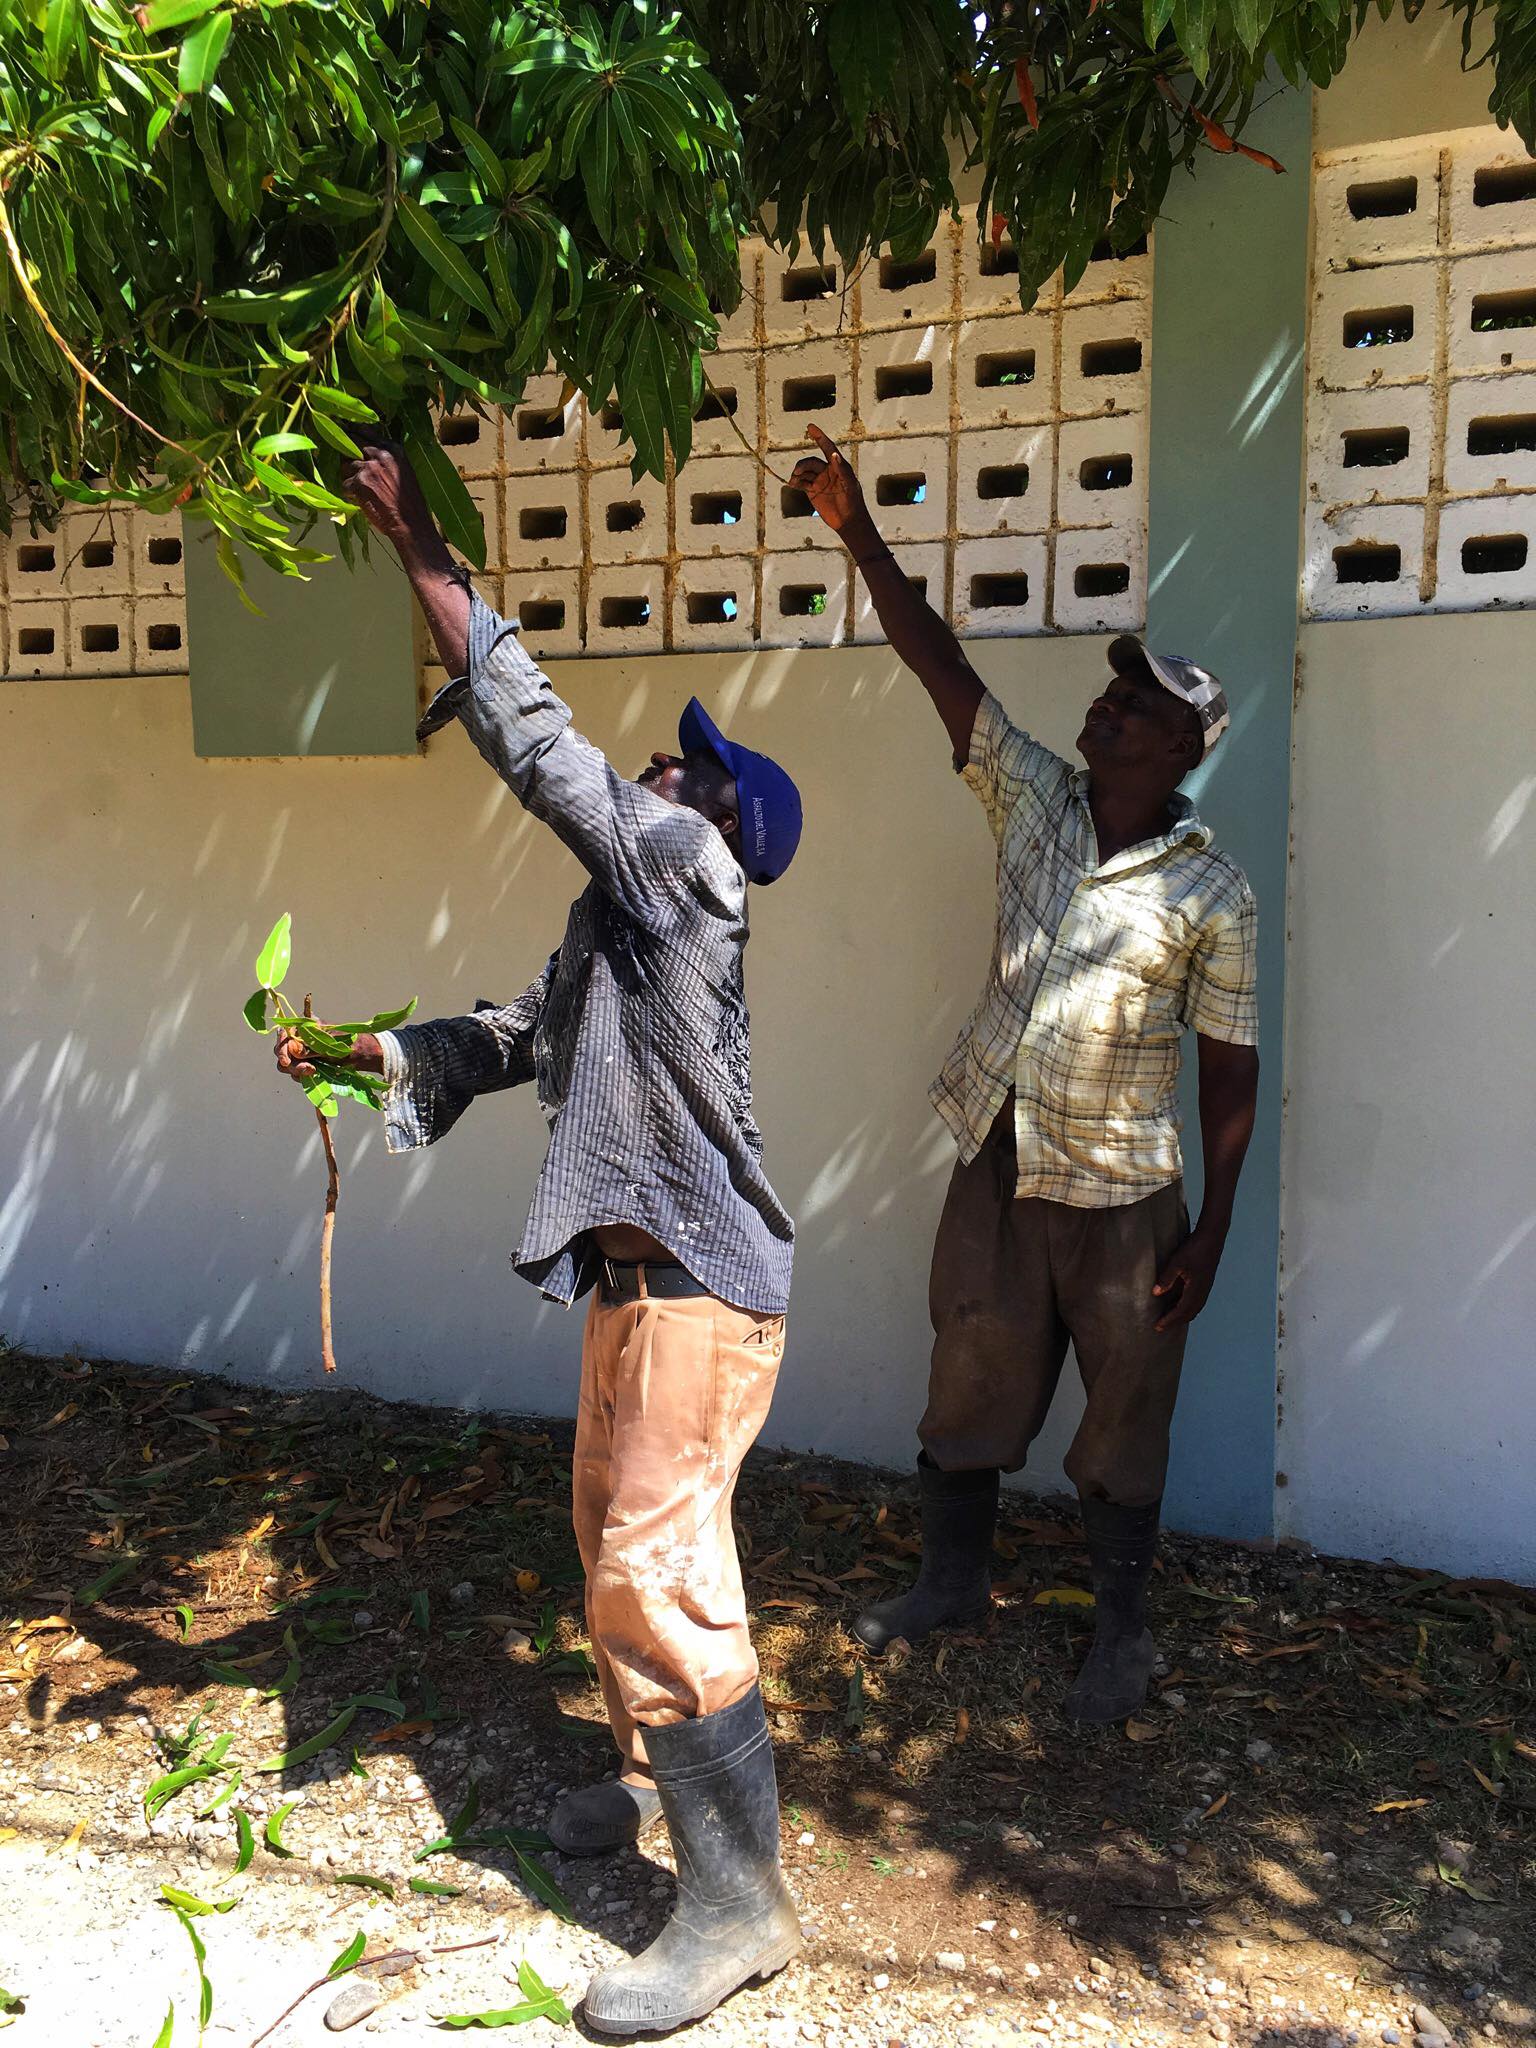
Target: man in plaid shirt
{"x":1118,"y":927}
{"x":654,"y":1197}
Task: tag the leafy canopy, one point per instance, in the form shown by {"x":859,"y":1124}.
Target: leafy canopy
{"x":238,"y":231}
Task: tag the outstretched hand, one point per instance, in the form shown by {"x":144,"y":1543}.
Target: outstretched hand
{"x":830,"y":484}
{"x":384,"y":487}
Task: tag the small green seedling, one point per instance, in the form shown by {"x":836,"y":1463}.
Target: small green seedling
{"x":332,"y":1046}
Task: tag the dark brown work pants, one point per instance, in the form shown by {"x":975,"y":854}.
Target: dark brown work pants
{"x":1013,"y":1282}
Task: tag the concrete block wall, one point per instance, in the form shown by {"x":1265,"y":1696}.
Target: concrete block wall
{"x":99,"y":596}
{"x":1421,"y":431}
{"x":993,"y":444}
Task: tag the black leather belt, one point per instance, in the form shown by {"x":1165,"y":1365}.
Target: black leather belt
{"x":664,"y":1282}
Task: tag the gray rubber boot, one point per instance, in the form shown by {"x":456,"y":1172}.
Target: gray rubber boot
{"x":596,"y":1818}
{"x":953,"y":1583}
{"x":1122,"y":1543}
{"x":734,"y":1919}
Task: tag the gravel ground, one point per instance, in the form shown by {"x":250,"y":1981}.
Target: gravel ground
{"x":1320,"y":1832}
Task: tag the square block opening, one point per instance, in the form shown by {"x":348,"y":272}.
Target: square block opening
{"x":611,"y":419}
{"x":721,"y":403}
{"x":98,"y":554}
{"x":541,"y":614}
{"x":624,"y":516}
{"x":35,"y":640}
{"x":36,"y":558}
{"x":624,"y":611}
{"x":1111,"y":358}
{"x":1504,"y":184}
{"x":164,"y":550}
{"x":901,"y":490}
{"x":1375,"y":447}
{"x":1493,"y":312}
{"x":903,"y":380}
{"x":1378,"y":327}
{"x":542,"y":522}
{"x":1101,"y":579}
{"x":1368,"y":561}
{"x":900,"y":275}
{"x":991,"y":592}
{"x":100,"y":639}
{"x":1106,"y":252}
{"x":715,"y":508}
{"x":998,"y":259}
{"x":1008,"y":366}
{"x":1106,"y":473}
{"x":164,"y":638}
{"x":461,"y":431}
{"x":1004,"y":480}
{"x":712,"y":607}
{"x":809,"y":282}
{"x":795,"y":504}
{"x":1494,"y":554}
{"x":1513,"y":434}
{"x":541,"y":423}
{"x":1382,"y":198}
{"x":809,"y":394}
{"x":802,"y":600}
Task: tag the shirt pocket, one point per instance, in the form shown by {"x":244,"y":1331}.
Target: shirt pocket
{"x":1140,"y":961}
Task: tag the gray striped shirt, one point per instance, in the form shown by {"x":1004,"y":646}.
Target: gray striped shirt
{"x":636,"y":1034}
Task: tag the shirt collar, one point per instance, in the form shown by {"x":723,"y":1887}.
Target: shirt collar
{"x":1186,"y":829}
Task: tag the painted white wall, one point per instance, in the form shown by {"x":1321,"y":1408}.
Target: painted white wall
{"x":160,"y":1190}
{"x":1408,"y":1427}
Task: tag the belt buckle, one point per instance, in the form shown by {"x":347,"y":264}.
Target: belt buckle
{"x":611,"y":1279}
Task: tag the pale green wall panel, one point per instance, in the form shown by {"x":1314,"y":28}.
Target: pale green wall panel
{"x":1225,"y":469}
{"x":329,"y":668}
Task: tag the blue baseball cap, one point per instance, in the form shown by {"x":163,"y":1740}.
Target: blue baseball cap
{"x":767,"y":800}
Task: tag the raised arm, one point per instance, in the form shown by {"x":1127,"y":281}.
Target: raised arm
{"x":642,"y":851}
{"x":922,"y":639}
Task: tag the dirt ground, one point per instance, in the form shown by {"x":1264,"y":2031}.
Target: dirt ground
{"x":1322,"y":1831}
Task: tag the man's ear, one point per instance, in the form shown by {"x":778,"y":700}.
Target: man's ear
{"x":728,"y":823}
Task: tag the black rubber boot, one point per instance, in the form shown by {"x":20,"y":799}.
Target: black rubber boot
{"x":953,"y":1584}
{"x":734,"y":1919}
{"x":609,"y":1815}
{"x":1122,"y":1542}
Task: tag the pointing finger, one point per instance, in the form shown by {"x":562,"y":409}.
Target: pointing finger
{"x":827,"y":446}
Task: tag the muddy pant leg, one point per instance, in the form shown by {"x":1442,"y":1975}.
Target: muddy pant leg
{"x":690,"y":1390}
{"x":998,"y":1336}
{"x":607,"y":1333}
{"x":1106,"y":1262}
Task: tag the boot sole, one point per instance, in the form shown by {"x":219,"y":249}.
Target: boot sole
{"x":767,"y":1965}
{"x":610,"y":1848}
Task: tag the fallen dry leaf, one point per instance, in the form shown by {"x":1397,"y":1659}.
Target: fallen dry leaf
{"x":1143,"y":1731}
{"x":70,"y":1841}
{"x":1400,"y":1805}
{"x":962,"y":1723}
{"x":1063,"y":1596}
{"x":399,"y":1731}
{"x":1215,"y":1806}
{"x":1496,"y":1791}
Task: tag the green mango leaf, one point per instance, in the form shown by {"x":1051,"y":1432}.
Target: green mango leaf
{"x":245,"y":1839}
{"x":322,"y":1095}
{"x":274,"y":1829}
{"x":380,"y":1885}
{"x":450,"y":263}
{"x":201,"y":52}
{"x":282,"y":444}
{"x":61,"y":35}
{"x":302,"y":1753}
{"x":173,"y":13}
{"x":426,"y":1889}
{"x":113,"y":1576}
{"x":184,"y":1615}
{"x":543,"y":1886}
{"x":386,"y":1020}
{"x":185,"y":1902}
{"x":446,"y":492}
{"x":163,"y":2038}
{"x":340,"y":405}
{"x":273,"y":960}
{"x":350,"y":1956}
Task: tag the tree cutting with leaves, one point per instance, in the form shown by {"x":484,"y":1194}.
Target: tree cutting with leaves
{"x":235,"y":233}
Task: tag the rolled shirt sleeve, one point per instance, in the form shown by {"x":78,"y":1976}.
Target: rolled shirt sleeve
{"x":1004,"y":762}
{"x":1221,"y":997}
{"x":434,"y":1071}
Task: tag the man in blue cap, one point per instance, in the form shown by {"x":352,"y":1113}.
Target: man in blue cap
{"x":1119,"y":926}
{"x":654,"y":1199}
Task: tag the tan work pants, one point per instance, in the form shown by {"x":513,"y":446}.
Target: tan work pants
{"x":673,"y":1394}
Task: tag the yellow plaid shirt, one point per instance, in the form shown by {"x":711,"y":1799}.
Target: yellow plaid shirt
{"x":1096,"y":969}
